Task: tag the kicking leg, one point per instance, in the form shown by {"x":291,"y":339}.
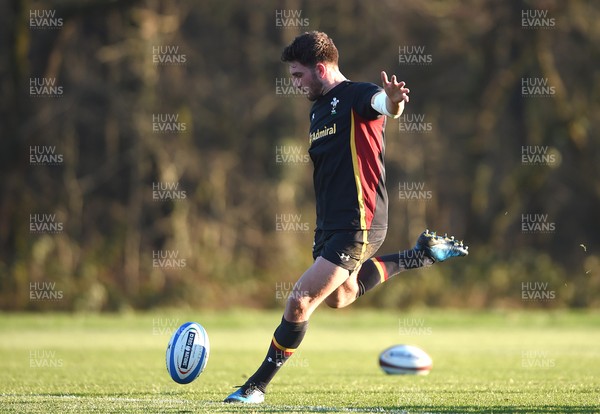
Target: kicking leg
{"x":316,"y":284}
{"x":429,"y":249}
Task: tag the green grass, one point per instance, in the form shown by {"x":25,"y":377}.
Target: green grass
{"x":493,"y":362}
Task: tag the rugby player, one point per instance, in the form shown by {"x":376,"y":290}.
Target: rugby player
{"x":347,"y":123}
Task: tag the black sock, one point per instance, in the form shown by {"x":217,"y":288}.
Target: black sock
{"x":377,"y":270}
{"x":286,"y":339}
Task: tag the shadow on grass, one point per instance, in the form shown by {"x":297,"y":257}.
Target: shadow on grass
{"x":416,"y":409}
{"x":219,"y":407}
{"x":168,"y":404}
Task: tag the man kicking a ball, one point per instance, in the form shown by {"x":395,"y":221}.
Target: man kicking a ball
{"x":347,"y":123}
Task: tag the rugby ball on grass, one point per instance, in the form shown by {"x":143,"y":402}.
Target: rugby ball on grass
{"x":187,"y":353}
{"x":405,"y":359}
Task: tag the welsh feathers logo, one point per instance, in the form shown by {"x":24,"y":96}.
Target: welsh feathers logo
{"x":334,"y":103}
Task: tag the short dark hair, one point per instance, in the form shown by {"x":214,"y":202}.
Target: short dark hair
{"x":311,"y":48}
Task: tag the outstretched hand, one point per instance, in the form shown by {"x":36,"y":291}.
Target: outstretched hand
{"x":393,"y":89}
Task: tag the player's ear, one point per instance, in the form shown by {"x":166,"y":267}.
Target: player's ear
{"x":321,"y":70}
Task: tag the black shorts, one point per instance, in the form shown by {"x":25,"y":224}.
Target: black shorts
{"x":347,"y":249}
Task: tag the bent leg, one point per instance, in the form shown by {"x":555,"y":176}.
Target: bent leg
{"x":373,"y":272}
{"x":429,"y":249}
{"x":316,"y":284}
{"x":346,"y":293}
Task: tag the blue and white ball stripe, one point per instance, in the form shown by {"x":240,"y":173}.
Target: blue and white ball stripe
{"x":187,"y":353}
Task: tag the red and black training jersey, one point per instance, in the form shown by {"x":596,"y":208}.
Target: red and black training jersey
{"x":347,"y":148}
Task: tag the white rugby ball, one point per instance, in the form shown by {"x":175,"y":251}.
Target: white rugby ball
{"x":187,"y":353}
{"x":405,"y":359}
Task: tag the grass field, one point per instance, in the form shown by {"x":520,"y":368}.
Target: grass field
{"x":494,"y":362}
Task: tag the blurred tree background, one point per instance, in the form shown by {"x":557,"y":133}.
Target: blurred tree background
{"x":237,"y":230}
